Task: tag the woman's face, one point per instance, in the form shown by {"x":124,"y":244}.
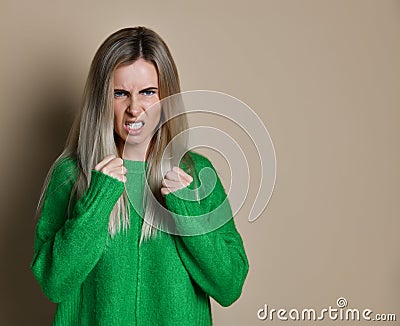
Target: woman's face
{"x":135,"y":91}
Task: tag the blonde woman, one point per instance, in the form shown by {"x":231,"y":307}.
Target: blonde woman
{"x":98,"y":253}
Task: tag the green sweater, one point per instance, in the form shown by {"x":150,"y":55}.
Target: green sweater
{"x":99,"y":280}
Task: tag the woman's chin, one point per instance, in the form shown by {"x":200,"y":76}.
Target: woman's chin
{"x":133,"y":141}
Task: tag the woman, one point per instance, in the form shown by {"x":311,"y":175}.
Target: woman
{"x":94,"y":255}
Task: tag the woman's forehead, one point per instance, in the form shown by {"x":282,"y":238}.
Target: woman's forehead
{"x":137,"y":73}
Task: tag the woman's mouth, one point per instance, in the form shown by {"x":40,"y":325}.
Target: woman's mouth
{"x":134,"y":128}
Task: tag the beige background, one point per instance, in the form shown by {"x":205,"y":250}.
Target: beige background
{"x":324,"y":77}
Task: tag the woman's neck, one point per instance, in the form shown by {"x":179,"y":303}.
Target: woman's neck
{"x":132,"y":153}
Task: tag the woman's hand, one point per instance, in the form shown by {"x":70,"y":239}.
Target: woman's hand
{"x":112,"y":166}
{"x":175,"y":179}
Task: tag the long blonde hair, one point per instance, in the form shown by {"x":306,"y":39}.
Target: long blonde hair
{"x":92,"y":135}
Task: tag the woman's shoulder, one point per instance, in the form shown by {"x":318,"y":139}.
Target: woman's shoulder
{"x":204,"y":166}
{"x":66,"y":163}
{"x":65,"y":169}
{"x":200,"y":160}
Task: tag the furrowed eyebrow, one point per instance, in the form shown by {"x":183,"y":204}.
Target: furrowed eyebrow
{"x":149,"y":89}
{"x":121,"y":90}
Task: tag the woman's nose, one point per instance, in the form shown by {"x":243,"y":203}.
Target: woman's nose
{"x":134,"y":106}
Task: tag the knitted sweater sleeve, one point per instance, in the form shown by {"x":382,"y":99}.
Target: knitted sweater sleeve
{"x":67,"y":249}
{"x":215,"y":258}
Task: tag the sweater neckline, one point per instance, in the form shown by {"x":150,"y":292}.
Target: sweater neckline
{"x":134,"y":165}
{"x":134,"y":161}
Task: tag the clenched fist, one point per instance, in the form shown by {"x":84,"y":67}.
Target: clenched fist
{"x":112,"y":166}
{"x":175,"y":179}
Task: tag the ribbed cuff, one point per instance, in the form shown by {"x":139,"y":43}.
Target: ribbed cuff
{"x":183,"y":201}
{"x":102,"y":193}
{"x":67,"y":312}
{"x":194,"y":218}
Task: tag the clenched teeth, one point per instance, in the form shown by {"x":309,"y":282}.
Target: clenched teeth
{"x":135,"y":125}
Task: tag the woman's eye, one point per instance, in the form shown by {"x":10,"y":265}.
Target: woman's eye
{"x":148,"y":92}
{"x":118,"y":94}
